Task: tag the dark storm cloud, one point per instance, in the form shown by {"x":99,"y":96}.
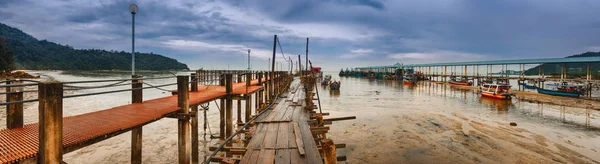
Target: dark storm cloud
{"x":342,"y":32}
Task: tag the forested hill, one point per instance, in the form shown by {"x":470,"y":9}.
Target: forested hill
{"x":550,"y":69}
{"x":34,"y":54}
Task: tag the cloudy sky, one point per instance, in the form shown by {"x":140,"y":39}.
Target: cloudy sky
{"x":343,"y":33}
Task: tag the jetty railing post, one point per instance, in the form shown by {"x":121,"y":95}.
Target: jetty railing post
{"x":183,"y":124}
{"x":50,"y":108}
{"x":136,"y":133}
{"x":229,"y":106}
{"x":248,"y":97}
{"x":222,"y":111}
{"x":14,"y":112}
{"x":239,"y":101}
{"x":194,"y":117}
{"x":260,"y":93}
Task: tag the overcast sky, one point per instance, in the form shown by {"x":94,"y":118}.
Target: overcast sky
{"x":343,"y":33}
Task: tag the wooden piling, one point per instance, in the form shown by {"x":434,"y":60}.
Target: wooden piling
{"x":194,"y":122}
{"x":136,"y":133}
{"x":183,"y":122}
{"x":228,"y":106}
{"x":248,"y":98}
{"x":329,"y":152}
{"x":222,"y":111}
{"x":239,"y":102}
{"x":14,"y":112}
{"x":50,"y":97}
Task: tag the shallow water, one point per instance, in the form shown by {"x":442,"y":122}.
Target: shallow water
{"x":427,"y":123}
{"x":386,"y":109}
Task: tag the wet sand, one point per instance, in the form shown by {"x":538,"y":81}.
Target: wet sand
{"x":402,"y":124}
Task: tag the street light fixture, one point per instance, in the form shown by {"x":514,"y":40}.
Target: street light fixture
{"x":133,"y":9}
{"x":248,"y":59}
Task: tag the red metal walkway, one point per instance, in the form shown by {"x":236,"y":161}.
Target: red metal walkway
{"x":81,"y":130}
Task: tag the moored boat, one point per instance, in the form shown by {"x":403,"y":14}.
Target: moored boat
{"x":557,"y":93}
{"x":528,"y":86}
{"x":408,"y":80}
{"x":497,"y":91}
{"x":335,"y":85}
{"x":458,"y":81}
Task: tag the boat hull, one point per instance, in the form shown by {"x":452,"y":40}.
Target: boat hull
{"x":525,"y":85}
{"x":459,"y":83}
{"x":496,"y":96}
{"x":557,"y":93}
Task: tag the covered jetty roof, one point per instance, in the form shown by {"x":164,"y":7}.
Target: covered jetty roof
{"x":496,"y":62}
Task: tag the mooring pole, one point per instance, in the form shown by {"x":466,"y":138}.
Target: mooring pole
{"x":136,"y":133}
{"x":239,"y":102}
{"x":50,"y":108}
{"x":271,"y":80}
{"x":222,"y":111}
{"x":229,"y":106}
{"x":248,"y":97}
{"x":194,"y":117}
{"x":306,"y":65}
{"x":183,"y":123}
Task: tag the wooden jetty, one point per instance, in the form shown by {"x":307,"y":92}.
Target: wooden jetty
{"x":54,"y":135}
{"x":289,"y":131}
{"x":281,"y":127}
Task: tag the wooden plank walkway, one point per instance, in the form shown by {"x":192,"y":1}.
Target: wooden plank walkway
{"x":282,"y":135}
{"x":81,"y":130}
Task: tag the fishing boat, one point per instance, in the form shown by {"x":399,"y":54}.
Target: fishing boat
{"x":488,"y":85}
{"x":335,"y":85}
{"x":525,"y":85}
{"x":497,"y":91}
{"x":326,"y":80}
{"x":557,"y":93}
{"x":408,"y":80}
{"x":458,"y":81}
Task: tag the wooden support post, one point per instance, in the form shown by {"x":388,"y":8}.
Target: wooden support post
{"x":194,"y":123}
{"x":14,"y":112}
{"x":50,"y":108}
{"x":228,"y":106}
{"x":260,"y":95}
{"x":136,"y":133}
{"x":329,"y":152}
{"x":183,"y":124}
{"x":222,"y":111}
{"x":239,"y":102}
{"x":248,"y":98}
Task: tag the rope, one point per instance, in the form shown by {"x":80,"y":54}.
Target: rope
{"x":281,"y":50}
{"x":90,"y":87}
{"x":115,"y":91}
{"x":157,"y":87}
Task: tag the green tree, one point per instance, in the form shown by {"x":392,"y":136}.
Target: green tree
{"x":7,"y":58}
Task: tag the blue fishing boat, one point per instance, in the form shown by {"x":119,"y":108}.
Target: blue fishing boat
{"x":557,"y":93}
{"x":528,"y":86}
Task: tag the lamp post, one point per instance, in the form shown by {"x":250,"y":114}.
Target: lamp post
{"x":248,"y":59}
{"x":133,"y":9}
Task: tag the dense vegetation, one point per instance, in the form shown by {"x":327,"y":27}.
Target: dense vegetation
{"x":7,"y":59}
{"x":34,"y":54}
{"x":573,"y":69}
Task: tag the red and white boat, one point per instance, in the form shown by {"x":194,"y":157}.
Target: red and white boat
{"x":497,"y":91}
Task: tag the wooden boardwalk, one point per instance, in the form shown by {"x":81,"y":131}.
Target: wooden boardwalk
{"x":81,"y":130}
{"x":282,"y":135}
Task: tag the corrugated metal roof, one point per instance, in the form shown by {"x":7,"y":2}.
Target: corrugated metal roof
{"x":497,"y":62}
